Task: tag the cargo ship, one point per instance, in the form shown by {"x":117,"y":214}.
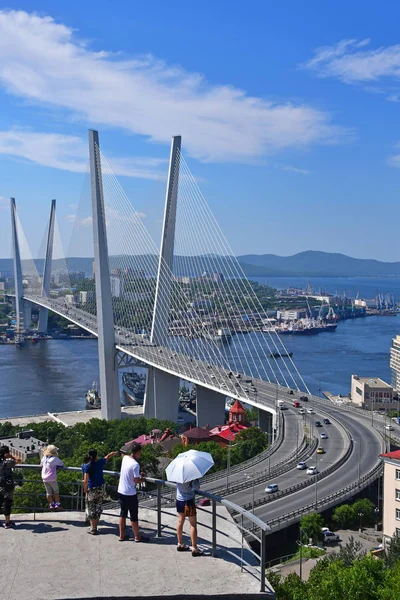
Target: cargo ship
{"x":281,"y":354}
{"x":133,"y":387}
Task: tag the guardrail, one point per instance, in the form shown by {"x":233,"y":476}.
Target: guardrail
{"x":303,"y":452}
{"x":325,"y":503}
{"x":75,"y":501}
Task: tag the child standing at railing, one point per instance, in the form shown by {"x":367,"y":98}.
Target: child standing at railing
{"x":50,"y":462}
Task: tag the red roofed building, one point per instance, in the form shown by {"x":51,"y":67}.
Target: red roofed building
{"x":391,"y":495}
{"x":237,"y":413}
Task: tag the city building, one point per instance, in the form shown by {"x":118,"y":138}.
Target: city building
{"x":85,"y":297}
{"x":72,"y":299}
{"x":218,"y":277}
{"x":395,"y":363}
{"x":23,"y":445}
{"x":293,"y":314}
{"x":372,"y":393}
{"x":391,"y":495}
{"x":117,"y":287}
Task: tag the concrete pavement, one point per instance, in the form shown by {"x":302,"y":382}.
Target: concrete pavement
{"x":54,"y":558}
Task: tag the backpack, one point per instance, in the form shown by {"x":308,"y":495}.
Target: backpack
{"x":6,"y":477}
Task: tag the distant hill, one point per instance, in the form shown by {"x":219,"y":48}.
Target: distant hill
{"x":315,"y":263}
{"x":307,"y":264}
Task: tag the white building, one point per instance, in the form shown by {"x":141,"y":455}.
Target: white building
{"x":395,"y":363}
{"x":85,"y":297}
{"x":391,"y":495}
{"x":293,"y":314}
{"x":117,"y":287}
{"x":372,"y":393}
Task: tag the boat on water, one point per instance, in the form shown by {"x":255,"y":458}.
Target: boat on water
{"x":35,"y":338}
{"x":281,"y":354}
{"x":222,"y":335}
{"x":93,"y":399}
{"x":133,"y":387}
{"x":19,"y":341}
{"x":308,"y":327}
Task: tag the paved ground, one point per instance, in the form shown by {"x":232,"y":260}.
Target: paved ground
{"x":54,"y":558}
{"x":368,"y":539}
{"x":71,"y":418}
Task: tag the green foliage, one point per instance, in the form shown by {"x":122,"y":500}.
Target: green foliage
{"x":312,"y":525}
{"x":343,"y":516}
{"x":393,"y":553}
{"x":366,"y":507}
{"x":251,"y":414}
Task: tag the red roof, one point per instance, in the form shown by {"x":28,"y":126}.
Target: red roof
{"x":228,"y":432}
{"x":395,"y":454}
{"x":197,"y":433}
{"x":237,"y":408}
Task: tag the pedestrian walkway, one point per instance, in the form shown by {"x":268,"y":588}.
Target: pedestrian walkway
{"x":53,"y":557}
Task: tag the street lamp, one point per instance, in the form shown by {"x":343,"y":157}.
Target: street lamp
{"x":360,"y":514}
{"x":252,"y":484}
{"x":376,"y":511}
{"x":300,"y":544}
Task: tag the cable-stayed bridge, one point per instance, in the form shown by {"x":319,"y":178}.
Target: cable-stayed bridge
{"x":171,"y":309}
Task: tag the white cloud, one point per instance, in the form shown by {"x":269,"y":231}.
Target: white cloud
{"x":296,"y":170}
{"x":70,"y":153}
{"x":350,"y":62}
{"x":44,"y":61}
{"x":78,"y":221}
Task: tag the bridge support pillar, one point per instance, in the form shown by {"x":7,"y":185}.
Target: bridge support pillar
{"x":44,"y":313}
{"x":19,"y":288}
{"x":161,"y":397}
{"x":27,"y":314}
{"x":210,"y":407}
{"x":109,"y":384}
{"x":266,"y":423}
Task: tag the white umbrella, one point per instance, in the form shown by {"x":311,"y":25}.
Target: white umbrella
{"x":188,"y":466}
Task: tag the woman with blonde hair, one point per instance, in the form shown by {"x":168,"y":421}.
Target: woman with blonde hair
{"x":50,"y":462}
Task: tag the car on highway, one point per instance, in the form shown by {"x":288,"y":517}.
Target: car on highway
{"x":272,"y":488}
{"x":327,"y":422}
{"x":301,"y":466}
{"x":320,"y":450}
{"x":310,"y":411}
{"x":312,"y":471}
{"x":318,"y":424}
{"x":304,"y":398}
{"x":389,"y":427}
{"x":302,"y":411}
{"x":290,"y":392}
{"x":296,"y":404}
{"x":323,"y":436}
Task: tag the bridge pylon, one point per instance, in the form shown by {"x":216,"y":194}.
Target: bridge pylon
{"x":44,"y":313}
{"x":109,"y":385}
{"x":19,"y":288}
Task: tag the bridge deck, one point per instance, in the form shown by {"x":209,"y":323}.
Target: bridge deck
{"x":54,"y":557}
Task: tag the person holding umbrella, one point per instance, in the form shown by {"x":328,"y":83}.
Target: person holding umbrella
{"x":185,"y":470}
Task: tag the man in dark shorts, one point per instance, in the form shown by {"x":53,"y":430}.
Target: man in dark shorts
{"x":7,"y":463}
{"x":128,"y":500}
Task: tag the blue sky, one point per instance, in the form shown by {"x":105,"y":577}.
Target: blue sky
{"x":289,"y":114}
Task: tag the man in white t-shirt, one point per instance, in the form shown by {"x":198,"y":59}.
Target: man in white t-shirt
{"x":128,"y":500}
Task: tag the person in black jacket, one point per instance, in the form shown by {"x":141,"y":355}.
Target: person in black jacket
{"x":7,"y":463}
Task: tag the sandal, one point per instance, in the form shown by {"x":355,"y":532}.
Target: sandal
{"x":197,"y":552}
{"x":93,"y":531}
{"x":143,"y":538}
{"x":182,"y":548}
{"x":124,"y":539}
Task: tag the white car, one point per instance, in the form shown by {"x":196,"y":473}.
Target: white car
{"x":310,"y":411}
{"x":302,"y":411}
{"x":389,"y":427}
{"x":312,"y":471}
{"x":324,"y":436}
{"x":301,"y":466}
{"x":272,"y":488}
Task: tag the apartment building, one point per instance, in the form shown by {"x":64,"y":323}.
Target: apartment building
{"x":391,"y":495}
{"x":395,"y":363}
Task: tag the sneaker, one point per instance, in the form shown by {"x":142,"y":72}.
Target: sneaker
{"x":52,"y":505}
{"x":57,"y":506}
{"x":9,"y":525}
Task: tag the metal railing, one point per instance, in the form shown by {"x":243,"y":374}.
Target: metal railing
{"x":250,"y":560}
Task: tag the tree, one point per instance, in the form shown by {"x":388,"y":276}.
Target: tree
{"x":312,"y":525}
{"x":393,"y":552}
{"x":366,"y":507}
{"x":343,"y":516}
{"x":352,"y":551}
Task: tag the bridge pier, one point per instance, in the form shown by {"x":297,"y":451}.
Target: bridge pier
{"x":19,"y":288}
{"x":266,"y":423}
{"x":27,"y":314}
{"x":43,"y":312}
{"x":210,"y":407}
{"x":109,"y":384}
{"x":161,"y":397}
